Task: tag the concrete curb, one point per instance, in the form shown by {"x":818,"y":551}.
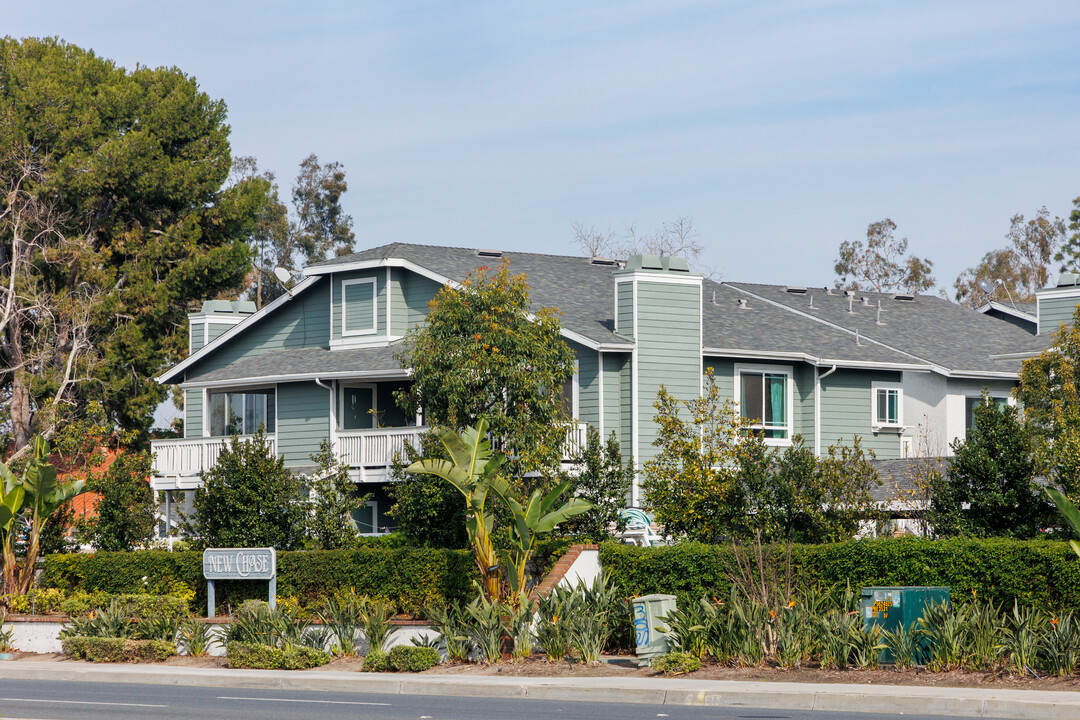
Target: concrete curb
{"x":960,"y":702}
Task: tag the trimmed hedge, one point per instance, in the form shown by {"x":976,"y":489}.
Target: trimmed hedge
{"x":407,"y":658}
{"x":103,"y":649}
{"x":376,"y":661}
{"x":409,"y":578}
{"x":1039,"y":573}
{"x":676,"y":663}
{"x":268,"y":657}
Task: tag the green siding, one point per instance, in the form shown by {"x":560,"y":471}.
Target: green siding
{"x":845,"y":412}
{"x":303,"y":421}
{"x":803,"y":412}
{"x":588,"y":385}
{"x":723,"y":376}
{"x":624,"y":316}
{"x":399,"y":314}
{"x":669,"y":351}
{"x":215,"y":330}
{"x":300,"y":323}
{"x":626,"y":381}
{"x":616,"y":379}
{"x":1054,"y":311}
{"x":195,"y":337}
{"x":418,"y":291}
{"x":193,"y":413}
{"x":380,"y":301}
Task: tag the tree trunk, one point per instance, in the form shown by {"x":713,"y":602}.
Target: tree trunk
{"x":20,"y":410}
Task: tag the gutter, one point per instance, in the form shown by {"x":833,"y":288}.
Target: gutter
{"x":817,"y":407}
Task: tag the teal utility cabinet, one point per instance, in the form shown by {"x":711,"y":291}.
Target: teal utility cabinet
{"x":893,"y":607}
{"x":651,"y":640}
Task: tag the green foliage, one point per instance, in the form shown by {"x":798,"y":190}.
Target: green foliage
{"x":121,"y":179}
{"x":992,"y":472}
{"x":6,"y":637}
{"x":266,"y":657}
{"x":484,"y":626}
{"x":405,"y":658}
{"x":453,"y":630}
{"x":196,"y":637}
{"x":603,"y":480}
{"x":333,"y":497}
{"x":27,"y":501}
{"x":485,"y":352}
{"x":112,"y":649}
{"x":125,"y":510}
{"x":591,"y":623}
{"x":553,"y":615}
{"x":714,"y":478}
{"x":881,"y":265}
{"x":376,"y":661}
{"x":375,"y":616}
{"x":429,"y":510}
{"x":250,"y":499}
{"x":410,"y":578}
{"x":1037,"y":573}
{"x":676,"y":663}
{"x":1069,"y":512}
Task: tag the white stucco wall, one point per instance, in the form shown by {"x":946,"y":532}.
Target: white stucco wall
{"x":585,"y":569}
{"x":935,"y":409}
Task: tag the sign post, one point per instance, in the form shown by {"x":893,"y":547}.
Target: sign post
{"x":238,"y":564}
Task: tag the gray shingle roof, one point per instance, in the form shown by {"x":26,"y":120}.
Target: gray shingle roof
{"x":901,"y":479}
{"x":925,"y":330}
{"x":308,"y":361}
{"x":931,"y":328}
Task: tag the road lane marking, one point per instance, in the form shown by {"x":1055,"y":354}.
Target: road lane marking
{"x":297,"y":700}
{"x":81,"y":702}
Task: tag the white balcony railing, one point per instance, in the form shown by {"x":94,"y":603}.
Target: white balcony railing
{"x":189,"y":457}
{"x":375,"y":448}
{"x":370,"y":449}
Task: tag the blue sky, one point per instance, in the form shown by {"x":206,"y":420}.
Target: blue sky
{"x":781,"y":129}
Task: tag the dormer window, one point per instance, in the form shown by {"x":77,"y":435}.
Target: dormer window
{"x":359,"y":313}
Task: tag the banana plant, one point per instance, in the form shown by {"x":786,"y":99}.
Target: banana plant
{"x":539,"y":516}
{"x":474,"y":470}
{"x":1069,"y":511}
{"x":41,"y":492}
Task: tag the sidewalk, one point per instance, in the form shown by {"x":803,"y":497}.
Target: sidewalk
{"x":960,"y":702}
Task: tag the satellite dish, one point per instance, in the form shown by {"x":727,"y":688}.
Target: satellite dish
{"x":283,"y":275}
{"x":987,"y":286}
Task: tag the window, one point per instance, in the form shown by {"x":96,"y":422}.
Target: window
{"x":366,"y":518}
{"x":971,"y":403}
{"x":241,"y":413}
{"x":358,"y":407}
{"x":358,"y":307}
{"x":765,"y":398}
{"x":888,"y":405}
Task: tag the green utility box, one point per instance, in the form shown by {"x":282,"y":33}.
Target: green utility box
{"x":894,"y":607}
{"x":647,"y":613}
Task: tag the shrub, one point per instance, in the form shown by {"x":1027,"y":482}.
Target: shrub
{"x":106,"y":649}
{"x":376,"y":661}
{"x":1037,"y":573}
{"x":405,"y":658}
{"x":255,"y":656}
{"x":5,"y":637}
{"x":676,"y":663}
{"x":408,"y":578}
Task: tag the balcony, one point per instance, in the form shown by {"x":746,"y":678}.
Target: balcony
{"x":179,"y":463}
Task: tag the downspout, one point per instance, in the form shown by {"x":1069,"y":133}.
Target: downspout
{"x":817,"y":406}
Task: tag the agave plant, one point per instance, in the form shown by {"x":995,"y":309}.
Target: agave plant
{"x":453,"y":630}
{"x":592,"y":625}
{"x":837,"y":628}
{"x":196,"y":638}
{"x":520,"y":626}
{"x":553,"y":623}
{"x":686,"y":629}
{"x":485,"y":627}
{"x":903,"y":644}
{"x":984,"y":636}
{"x":1026,"y":628}
{"x":866,"y":645}
{"x":943,"y":626}
{"x":375,"y":616}
{"x":342,"y":619}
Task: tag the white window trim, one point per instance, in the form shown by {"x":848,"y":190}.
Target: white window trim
{"x":789,"y":386}
{"x":244,"y":390}
{"x":374,"y":283}
{"x":342,"y":387}
{"x":575,"y":391}
{"x":874,"y":422}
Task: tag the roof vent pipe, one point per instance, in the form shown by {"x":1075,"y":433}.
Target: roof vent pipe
{"x":812,"y":303}
{"x":742,"y":304}
{"x":713,"y":297}
{"x":865,"y":300}
{"x":857,"y":337}
{"x":850,"y":303}
{"x":879,"y":313}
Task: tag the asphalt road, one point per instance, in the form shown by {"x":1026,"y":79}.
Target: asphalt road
{"x":56,"y":700}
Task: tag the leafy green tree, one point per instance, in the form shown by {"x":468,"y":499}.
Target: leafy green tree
{"x":1049,"y":391}
{"x":992,"y":474}
{"x":115,"y":216}
{"x":1020,"y":268}
{"x":882,"y":264}
{"x":332,"y":497}
{"x":484,"y":352}
{"x":715,"y":479}
{"x":250,"y":499}
{"x":429,"y":511}
{"x":125,"y":510}
{"x":1069,"y":254}
{"x":603,"y":479}
{"x":317,"y":229}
